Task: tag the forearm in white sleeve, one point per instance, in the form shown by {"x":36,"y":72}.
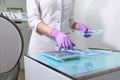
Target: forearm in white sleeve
{"x":33,"y":14}
{"x":71,"y":19}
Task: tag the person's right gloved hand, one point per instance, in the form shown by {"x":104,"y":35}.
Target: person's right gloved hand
{"x":62,"y":39}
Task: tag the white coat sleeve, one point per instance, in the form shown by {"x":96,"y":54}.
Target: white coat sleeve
{"x":33,"y":14}
{"x":71,"y":19}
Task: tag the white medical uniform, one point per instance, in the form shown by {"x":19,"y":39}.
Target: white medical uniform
{"x":54,"y":13}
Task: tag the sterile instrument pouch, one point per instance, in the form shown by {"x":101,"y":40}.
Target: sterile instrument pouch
{"x":61,"y":55}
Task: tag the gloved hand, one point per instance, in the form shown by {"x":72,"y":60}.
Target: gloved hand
{"x":62,"y":39}
{"x":84,"y":28}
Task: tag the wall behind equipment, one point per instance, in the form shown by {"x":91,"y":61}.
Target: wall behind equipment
{"x":4,"y":4}
{"x":98,"y":14}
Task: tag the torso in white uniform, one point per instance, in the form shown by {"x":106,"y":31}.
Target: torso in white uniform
{"x":54,"y":13}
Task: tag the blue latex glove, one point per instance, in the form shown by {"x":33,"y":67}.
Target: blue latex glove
{"x":84,"y":28}
{"x":62,"y":39}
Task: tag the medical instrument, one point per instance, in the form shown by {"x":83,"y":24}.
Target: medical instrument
{"x":90,"y":32}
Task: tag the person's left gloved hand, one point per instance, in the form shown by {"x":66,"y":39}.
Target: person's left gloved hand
{"x":84,"y":28}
